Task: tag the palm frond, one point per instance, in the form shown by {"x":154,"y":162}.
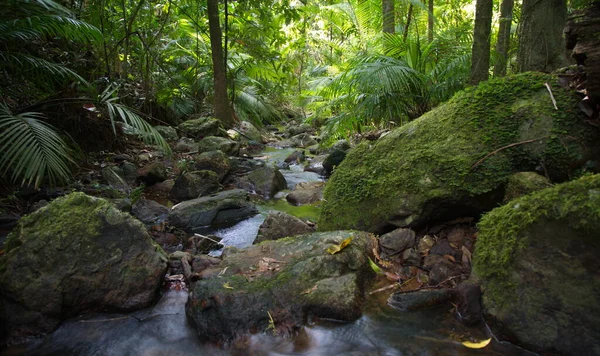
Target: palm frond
{"x":31,"y":149}
{"x":45,"y":71}
{"x":39,"y":27}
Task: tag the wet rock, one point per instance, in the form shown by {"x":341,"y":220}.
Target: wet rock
{"x":215,"y":161}
{"x":149,"y":212}
{"x":537,"y":260}
{"x":249,"y":132}
{"x":195,"y":184}
{"x":202,"y":262}
{"x":316,"y":165}
{"x":278,"y":225}
{"x":341,"y":145}
{"x":333,"y":160}
{"x":292,"y":279}
{"x":241,"y":166}
{"x":213,"y":143}
{"x":153,"y":173}
{"x":523,"y":183}
{"x":295,"y":157}
{"x":468,"y":300}
{"x":419,"y":300}
{"x":185,"y":144}
{"x":199,"y":128}
{"x":205,"y":244}
{"x":265,"y":181}
{"x":441,"y":269}
{"x":167,"y":132}
{"x":221,"y":208}
{"x":396,"y":241}
{"x":411,"y":257}
{"x":302,"y":140}
{"x":79,"y":254}
{"x":306,"y":193}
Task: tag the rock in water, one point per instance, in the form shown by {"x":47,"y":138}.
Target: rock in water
{"x":537,"y":259}
{"x":435,"y":167}
{"x":78,"y":254}
{"x":278,"y":225}
{"x":306,"y":193}
{"x":280,"y":284}
{"x":265,"y":181}
{"x":222,"y":208}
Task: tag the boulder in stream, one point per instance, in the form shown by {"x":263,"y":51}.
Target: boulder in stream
{"x":279,"y":285}
{"x":221,"y":208}
{"x":265,"y":181}
{"x":537,"y":260}
{"x":278,"y":225}
{"x":306,"y":193}
{"x":455,"y":160}
{"x":191,"y":185}
{"x":78,"y":254}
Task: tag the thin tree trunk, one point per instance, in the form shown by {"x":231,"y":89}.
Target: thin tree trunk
{"x":502,"y":45}
{"x":430,"y":21}
{"x":541,"y":43}
{"x":389,"y":19}
{"x":480,"y":57}
{"x":221,"y":102}
{"x":407,"y":24}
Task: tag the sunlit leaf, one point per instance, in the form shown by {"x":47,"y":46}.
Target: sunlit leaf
{"x":477,"y":345}
{"x":333,"y":249}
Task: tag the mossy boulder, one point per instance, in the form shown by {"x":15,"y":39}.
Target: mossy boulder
{"x":523,"y":183}
{"x":221,"y":208}
{"x":192,"y":185}
{"x":279,"y":285}
{"x":169,"y":133}
{"x":212,"y":143}
{"x":455,"y":160}
{"x":200,"y":128}
{"x":79,"y":254}
{"x":537,"y":259}
{"x":216,"y":161}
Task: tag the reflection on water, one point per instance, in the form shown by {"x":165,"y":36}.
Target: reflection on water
{"x":163,"y":330}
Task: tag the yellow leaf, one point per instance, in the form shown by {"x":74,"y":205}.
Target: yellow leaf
{"x":477,"y":345}
{"x":227,"y":286}
{"x":333,"y":249}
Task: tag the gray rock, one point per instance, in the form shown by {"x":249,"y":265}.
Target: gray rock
{"x":288,"y":280}
{"x":303,"y":140}
{"x":221,"y":208}
{"x":419,"y":300}
{"x":152,"y":173}
{"x":265,"y":181}
{"x":185,"y":144}
{"x":411,"y":257}
{"x":278,"y":225}
{"x":249,"y":132}
{"x":199,"y":128}
{"x":167,"y":132}
{"x":149,"y":212}
{"x":316,"y":165}
{"x":213,"y":143}
{"x":77,"y":255}
{"x":306,"y":193}
{"x":396,"y":241}
{"x":295,"y":157}
{"x":333,"y":160}
{"x":341,"y":145}
{"x":215,"y":161}
{"x":202,"y":262}
{"x":440,"y":269}
{"x":468,"y":300}
{"x":195,"y":184}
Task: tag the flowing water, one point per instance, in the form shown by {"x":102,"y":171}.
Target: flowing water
{"x":163,"y":329}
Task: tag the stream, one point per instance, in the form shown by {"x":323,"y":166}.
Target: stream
{"x":163,"y":328}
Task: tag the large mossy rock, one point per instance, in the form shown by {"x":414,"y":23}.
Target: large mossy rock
{"x":78,"y":254}
{"x":218,"y":209}
{"x":290,"y":281}
{"x":537,"y":259}
{"x":200,"y":128}
{"x":215,"y":161}
{"x":192,"y":185}
{"x":455,"y":160}
{"x":213,"y":143}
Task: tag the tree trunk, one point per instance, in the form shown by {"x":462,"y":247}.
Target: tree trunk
{"x":480,"y":58}
{"x":221,"y":102}
{"x":430,"y":21}
{"x":502,"y":45}
{"x":389,"y":20}
{"x":407,"y":24}
{"x":541,"y":43}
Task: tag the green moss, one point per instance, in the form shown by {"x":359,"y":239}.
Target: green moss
{"x":523,"y":183}
{"x":503,"y":231}
{"x":432,"y":158}
{"x":306,"y":212}
{"x":63,"y":218}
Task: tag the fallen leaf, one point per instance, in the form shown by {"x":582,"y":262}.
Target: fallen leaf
{"x":374,"y":267}
{"x":333,"y":249}
{"x":477,"y":345}
{"x":310,"y":290}
{"x":392,"y":277}
{"x":450,"y":258}
{"x":466,"y":257}
{"x":227,"y":286}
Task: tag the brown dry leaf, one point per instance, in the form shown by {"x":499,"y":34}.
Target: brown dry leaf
{"x":392,"y":277}
{"x":450,"y":258}
{"x":466,"y":257}
{"x":269,"y":260}
{"x":333,"y":249}
{"x":262,"y":266}
{"x":310,"y":290}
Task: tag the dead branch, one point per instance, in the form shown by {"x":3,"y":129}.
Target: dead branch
{"x":476,"y":164}
{"x":551,"y":95}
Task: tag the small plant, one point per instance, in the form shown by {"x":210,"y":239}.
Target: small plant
{"x":136,"y":194}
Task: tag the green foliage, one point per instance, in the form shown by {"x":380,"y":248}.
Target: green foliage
{"x":31,"y":149}
{"x":136,"y":194}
